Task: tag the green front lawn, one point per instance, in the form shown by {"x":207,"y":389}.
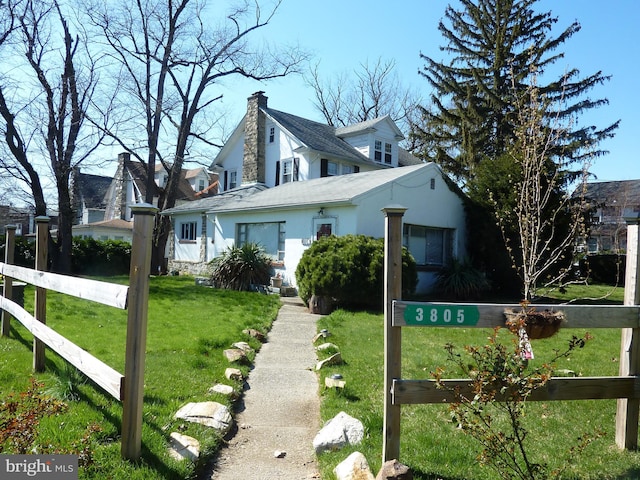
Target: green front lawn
{"x":188,"y":328}
{"x":430,"y":443}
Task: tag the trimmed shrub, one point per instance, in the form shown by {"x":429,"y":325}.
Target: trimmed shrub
{"x":97,"y":257}
{"x":349,"y":270}
{"x":238,"y":268}
{"x":24,"y":253}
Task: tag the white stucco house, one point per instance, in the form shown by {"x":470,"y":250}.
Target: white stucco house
{"x":286,"y":181}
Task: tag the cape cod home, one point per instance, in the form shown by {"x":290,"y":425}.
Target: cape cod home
{"x":286,"y":181}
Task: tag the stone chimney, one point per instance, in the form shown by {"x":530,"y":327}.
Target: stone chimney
{"x":253,"y":162}
{"x":120,"y":195}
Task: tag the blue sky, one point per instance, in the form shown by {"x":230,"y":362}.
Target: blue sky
{"x":343,"y":34}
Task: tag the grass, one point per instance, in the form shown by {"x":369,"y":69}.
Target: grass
{"x":188,"y":328}
{"x":429,"y":443}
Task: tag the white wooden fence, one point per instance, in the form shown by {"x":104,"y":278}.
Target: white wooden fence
{"x":127,"y":388}
{"x":399,"y":315}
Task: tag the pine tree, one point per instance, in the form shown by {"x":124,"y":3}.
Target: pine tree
{"x":494,"y":45}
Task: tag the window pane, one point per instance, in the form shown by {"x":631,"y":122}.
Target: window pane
{"x":416,"y":243}
{"x":435,"y":247}
{"x":270,"y":236}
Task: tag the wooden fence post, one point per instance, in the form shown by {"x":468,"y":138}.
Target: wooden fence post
{"x":7,"y":291}
{"x":133,"y":387}
{"x":392,"y":335}
{"x":40,"y":306}
{"x":627,"y":414}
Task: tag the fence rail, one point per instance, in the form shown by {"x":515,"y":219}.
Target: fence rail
{"x":399,"y":314}
{"x":126,"y":388}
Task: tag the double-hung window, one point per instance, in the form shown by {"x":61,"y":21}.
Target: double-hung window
{"x":377,"y":151}
{"x":188,"y":231}
{"x":269,"y":235}
{"x":431,"y":247}
{"x":230,"y":179}
{"x":387,"y":153}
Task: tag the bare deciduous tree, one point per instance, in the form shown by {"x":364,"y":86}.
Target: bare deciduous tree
{"x":547,"y":219}
{"x":171,"y":55}
{"x":43,"y":100}
{"x":371,"y":91}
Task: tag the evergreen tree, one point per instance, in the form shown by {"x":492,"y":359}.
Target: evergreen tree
{"x":495,"y":47}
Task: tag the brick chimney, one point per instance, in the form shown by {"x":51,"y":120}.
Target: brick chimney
{"x":253,"y":162}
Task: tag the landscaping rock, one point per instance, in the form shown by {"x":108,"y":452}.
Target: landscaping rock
{"x":234,"y":355}
{"x":244,"y":346}
{"x":335,"y":359}
{"x":183,"y":447}
{"x":394,"y":470}
{"x":226,"y":390}
{"x":210,"y":414}
{"x":354,"y":467}
{"x":326,"y":346}
{"x":255,"y":334}
{"x":233,"y":374}
{"x":341,"y":430}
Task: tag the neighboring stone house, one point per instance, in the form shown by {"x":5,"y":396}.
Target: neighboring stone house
{"x":103,"y":204}
{"x":286,"y":181}
{"x":609,"y":203}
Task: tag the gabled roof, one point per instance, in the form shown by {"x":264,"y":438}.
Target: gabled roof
{"x":622,"y":192}
{"x":316,"y":136}
{"x":369,"y":125}
{"x":341,"y":189}
{"x":92,"y":189}
{"x":138,"y":172}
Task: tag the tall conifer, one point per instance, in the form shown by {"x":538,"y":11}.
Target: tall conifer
{"x":494,"y":49}
{"x":490,"y":44}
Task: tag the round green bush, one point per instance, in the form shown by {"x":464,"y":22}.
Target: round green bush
{"x":349,"y":270}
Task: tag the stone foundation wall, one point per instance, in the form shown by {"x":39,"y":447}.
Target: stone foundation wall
{"x":188,"y":268}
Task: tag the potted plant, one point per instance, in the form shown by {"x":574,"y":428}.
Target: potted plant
{"x":536,"y":323}
{"x":276,"y":281}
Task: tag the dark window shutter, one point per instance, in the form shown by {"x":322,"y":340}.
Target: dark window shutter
{"x":296,"y":169}
{"x":277,"y":173}
{"x":226,"y":180}
{"x":356,"y":169}
{"x":323,"y":167}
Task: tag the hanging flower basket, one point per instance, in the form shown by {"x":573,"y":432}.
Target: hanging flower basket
{"x":537,"y":324}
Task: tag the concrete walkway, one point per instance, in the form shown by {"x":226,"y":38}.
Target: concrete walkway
{"x":280,"y":410}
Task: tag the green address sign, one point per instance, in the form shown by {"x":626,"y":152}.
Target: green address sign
{"x":441,"y":315}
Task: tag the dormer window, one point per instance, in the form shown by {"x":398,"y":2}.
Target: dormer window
{"x":387,"y":153}
{"x":377,"y":151}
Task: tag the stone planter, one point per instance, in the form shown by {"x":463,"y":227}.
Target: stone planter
{"x":276,"y":282}
{"x":321,"y":305}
